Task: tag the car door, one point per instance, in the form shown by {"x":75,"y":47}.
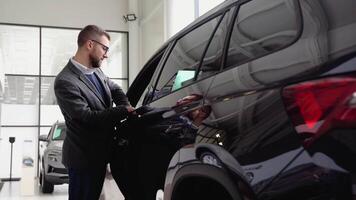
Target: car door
{"x":187,"y":67}
{"x":246,"y":97}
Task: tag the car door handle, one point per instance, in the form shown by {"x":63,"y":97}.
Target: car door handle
{"x":182,"y":109}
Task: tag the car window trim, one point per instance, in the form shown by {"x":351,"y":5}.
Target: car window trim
{"x":141,"y":75}
{"x":174,"y":42}
{"x":163,"y":52}
{"x":228,"y":35}
{"x":160,"y":68}
{"x":233,"y":9}
{"x":49,"y":133}
{"x":208,"y":45}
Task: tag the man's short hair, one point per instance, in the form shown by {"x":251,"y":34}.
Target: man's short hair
{"x":90,"y":32}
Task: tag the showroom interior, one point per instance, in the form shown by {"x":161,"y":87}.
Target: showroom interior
{"x":37,"y":38}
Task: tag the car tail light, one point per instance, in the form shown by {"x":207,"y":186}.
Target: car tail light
{"x":315,"y":107}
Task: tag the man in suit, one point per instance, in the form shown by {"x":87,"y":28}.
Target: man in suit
{"x":86,"y":96}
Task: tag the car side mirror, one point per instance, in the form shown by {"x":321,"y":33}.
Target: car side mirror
{"x":43,"y":138}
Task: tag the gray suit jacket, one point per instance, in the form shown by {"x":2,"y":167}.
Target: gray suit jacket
{"x":90,"y":119}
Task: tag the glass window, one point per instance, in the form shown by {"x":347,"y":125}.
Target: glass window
{"x":25,"y":89}
{"x":59,"y":133}
{"x":50,"y":114}
{"x":58,"y":46}
{"x":19,"y":50}
{"x":116,"y":65}
{"x":122,"y":83}
{"x":184,"y":58}
{"x":212,"y":58}
{"x":50,"y":111}
{"x":147,"y":78}
{"x":47,"y":91}
{"x":20,"y":98}
{"x":261,"y":27}
{"x":145,"y":97}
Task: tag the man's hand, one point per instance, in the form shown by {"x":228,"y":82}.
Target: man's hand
{"x":130,"y":109}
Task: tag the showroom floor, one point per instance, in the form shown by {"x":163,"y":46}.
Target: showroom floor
{"x":12,"y":191}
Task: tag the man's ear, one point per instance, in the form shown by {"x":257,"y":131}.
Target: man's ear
{"x":89,"y":44}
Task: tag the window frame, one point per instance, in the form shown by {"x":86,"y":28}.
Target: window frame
{"x":137,"y":86}
{"x":39,"y":124}
{"x":233,"y":9}
{"x":220,"y":13}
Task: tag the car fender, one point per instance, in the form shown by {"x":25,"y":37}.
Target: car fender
{"x":188,"y":164}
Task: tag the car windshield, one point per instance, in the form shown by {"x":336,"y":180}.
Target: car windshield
{"x":59,"y":133}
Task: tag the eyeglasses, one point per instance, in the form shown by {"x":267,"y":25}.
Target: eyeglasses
{"x":105,"y":48}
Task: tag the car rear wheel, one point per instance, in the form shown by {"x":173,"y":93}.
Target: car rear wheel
{"x":46,"y":187}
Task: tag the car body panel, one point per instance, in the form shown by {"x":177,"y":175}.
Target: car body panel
{"x":249,"y":117}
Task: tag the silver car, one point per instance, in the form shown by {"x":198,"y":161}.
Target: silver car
{"x":52,"y":171}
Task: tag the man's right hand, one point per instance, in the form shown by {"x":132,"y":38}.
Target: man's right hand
{"x":130,"y":109}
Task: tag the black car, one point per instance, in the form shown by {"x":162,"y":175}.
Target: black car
{"x":280,"y":79}
{"x":52,"y":171}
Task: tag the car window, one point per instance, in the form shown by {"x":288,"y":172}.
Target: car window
{"x":59,"y":133}
{"x":261,"y":27}
{"x":212,"y":58}
{"x":184,"y":58}
{"x":149,"y":76}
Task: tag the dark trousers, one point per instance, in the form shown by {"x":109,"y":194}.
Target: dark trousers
{"x":139,"y":169}
{"x":121,"y":172}
{"x":86,"y":184}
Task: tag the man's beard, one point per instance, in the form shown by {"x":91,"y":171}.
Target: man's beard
{"x":95,"y":62}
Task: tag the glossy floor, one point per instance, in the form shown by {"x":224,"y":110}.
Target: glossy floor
{"x":13,"y":191}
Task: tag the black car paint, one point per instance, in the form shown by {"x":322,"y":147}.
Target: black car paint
{"x":256,"y":128}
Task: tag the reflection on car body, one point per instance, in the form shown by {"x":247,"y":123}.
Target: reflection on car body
{"x":280,"y":78}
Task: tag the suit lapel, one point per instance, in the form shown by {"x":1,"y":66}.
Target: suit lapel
{"x":87,"y":82}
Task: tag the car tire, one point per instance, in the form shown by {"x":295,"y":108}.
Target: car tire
{"x":46,"y":187}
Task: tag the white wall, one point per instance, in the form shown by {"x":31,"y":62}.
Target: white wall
{"x":175,"y":20}
{"x":65,"y":13}
{"x":134,"y":55}
{"x":151,"y":28}
{"x":146,"y":34}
